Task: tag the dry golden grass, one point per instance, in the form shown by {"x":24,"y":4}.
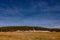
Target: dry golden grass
{"x":29,"y":35}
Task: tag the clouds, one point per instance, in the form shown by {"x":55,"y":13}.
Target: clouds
{"x":57,"y":26}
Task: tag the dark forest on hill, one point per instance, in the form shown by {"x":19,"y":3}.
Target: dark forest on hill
{"x":27,"y":28}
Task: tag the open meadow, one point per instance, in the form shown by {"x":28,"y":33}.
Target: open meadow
{"x":29,"y":35}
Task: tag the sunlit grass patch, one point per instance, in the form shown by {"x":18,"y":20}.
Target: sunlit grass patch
{"x":30,"y":36}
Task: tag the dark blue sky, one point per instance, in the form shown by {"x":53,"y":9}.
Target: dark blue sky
{"x":45,"y":13}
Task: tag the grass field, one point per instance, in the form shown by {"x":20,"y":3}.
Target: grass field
{"x":29,"y":35}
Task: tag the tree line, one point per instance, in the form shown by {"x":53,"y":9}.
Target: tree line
{"x":26,"y":28}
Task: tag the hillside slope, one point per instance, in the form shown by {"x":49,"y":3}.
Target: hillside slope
{"x":26,"y":28}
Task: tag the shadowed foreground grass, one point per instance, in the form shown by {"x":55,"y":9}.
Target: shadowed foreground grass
{"x":29,"y":35}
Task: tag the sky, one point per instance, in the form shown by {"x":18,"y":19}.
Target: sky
{"x":44,"y":13}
